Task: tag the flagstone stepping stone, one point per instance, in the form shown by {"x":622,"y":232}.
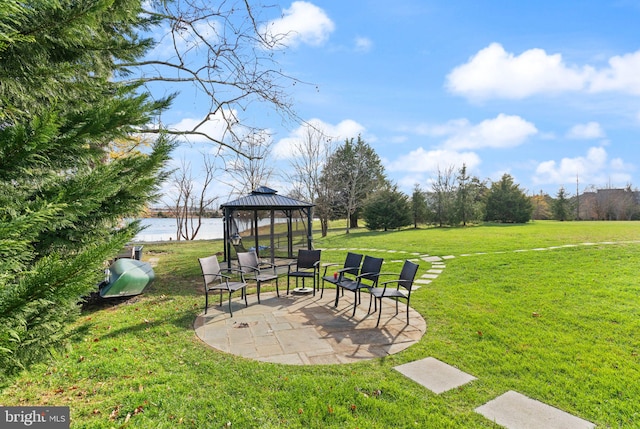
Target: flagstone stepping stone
{"x":435,"y":375}
{"x":433,"y":271}
{"x":516,"y":411}
{"x":422,"y":281}
{"x":432,"y":259}
{"x":429,"y":276}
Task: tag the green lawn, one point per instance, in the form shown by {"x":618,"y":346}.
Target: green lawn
{"x":515,"y":307}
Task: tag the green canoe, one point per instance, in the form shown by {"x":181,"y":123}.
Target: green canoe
{"x":127,"y":277}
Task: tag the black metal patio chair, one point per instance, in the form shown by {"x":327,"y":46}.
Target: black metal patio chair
{"x":349,"y":270}
{"x":367,"y":279}
{"x":404,"y":284}
{"x":306,"y":266}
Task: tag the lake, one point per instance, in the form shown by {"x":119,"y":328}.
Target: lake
{"x":164,"y":229}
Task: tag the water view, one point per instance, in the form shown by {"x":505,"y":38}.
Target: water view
{"x":164,"y":229}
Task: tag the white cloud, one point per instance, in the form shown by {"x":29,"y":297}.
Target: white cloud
{"x":622,"y":75}
{"x":503,"y":131}
{"x":303,"y":22}
{"x":286,"y":148}
{"x":493,"y":72}
{"x":363,"y":44}
{"x":215,"y":127}
{"x":594,"y":168}
{"x":422,"y":161}
{"x":590,"y":130}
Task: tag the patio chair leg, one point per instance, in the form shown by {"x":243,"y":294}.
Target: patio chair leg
{"x":230,"y":311}
{"x":379,"y":313}
{"x":258,"y":291}
{"x":407,"y":312}
{"x":397,"y":306}
{"x":206,"y":301}
{"x":277,"y":290}
{"x":355,"y":304}
{"x":246,"y":303}
{"x":337,"y":295}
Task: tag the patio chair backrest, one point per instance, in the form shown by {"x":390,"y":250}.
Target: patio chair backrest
{"x":308,"y":258}
{"x":210,"y":268}
{"x":248,"y":259}
{"x":353,"y":260}
{"x":408,"y":273}
{"x":371,"y":268}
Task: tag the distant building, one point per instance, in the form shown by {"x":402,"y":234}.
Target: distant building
{"x":609,"y":204}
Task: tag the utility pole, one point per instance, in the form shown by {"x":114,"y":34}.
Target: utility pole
{"x":577,"y":198}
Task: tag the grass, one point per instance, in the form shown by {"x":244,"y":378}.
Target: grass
{"x":559,"y":325}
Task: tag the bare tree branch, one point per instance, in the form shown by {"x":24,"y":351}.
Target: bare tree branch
{"x":224,"y":51}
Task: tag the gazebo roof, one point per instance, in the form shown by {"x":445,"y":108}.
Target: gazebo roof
{"x":263,"y":198}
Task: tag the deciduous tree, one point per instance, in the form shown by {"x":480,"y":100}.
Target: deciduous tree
{"x":354,"y":171}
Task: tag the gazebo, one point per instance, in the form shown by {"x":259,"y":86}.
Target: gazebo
{"x":261,"y":201}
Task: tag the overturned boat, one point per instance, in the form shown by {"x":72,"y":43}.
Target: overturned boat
{"x":127,"y":277}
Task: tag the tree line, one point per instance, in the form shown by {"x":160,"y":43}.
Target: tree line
{"x":349,"y":182}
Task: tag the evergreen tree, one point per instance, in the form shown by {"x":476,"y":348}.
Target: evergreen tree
{"x":507,"y":203}
{"x":561,"y":206}
{"x":387,"y":209}
{"x":419,"y":209}
{"x":62,"y":198}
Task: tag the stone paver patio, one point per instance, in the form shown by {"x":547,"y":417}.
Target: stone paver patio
{"x":306,"y":330}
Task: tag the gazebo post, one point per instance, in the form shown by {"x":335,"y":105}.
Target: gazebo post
{"x":225,"y":235}
{"x":255,"y":231}
{"x":310,"y":226}
{"x":272,"y":244}
{"x":289,"y":234}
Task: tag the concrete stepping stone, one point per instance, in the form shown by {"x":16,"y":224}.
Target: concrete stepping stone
{"x":429,"y":276}
{"x":516,"y":411}
{"x":435,"y":375}
{"x":422,"y":281}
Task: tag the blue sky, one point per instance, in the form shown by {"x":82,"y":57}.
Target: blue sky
{"x":546,"y":91}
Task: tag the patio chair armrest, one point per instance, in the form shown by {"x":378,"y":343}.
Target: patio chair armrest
{"x":250,"y":268}
{"x":326,"y":266}
{"x":266,"y":264}
{"x":367,"y":274}
{"x":227,"y":277}
{"x":345,"y":269}
{"x":384,"y":284}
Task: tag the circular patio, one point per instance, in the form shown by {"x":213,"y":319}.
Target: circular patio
{"x":307,"y":329}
